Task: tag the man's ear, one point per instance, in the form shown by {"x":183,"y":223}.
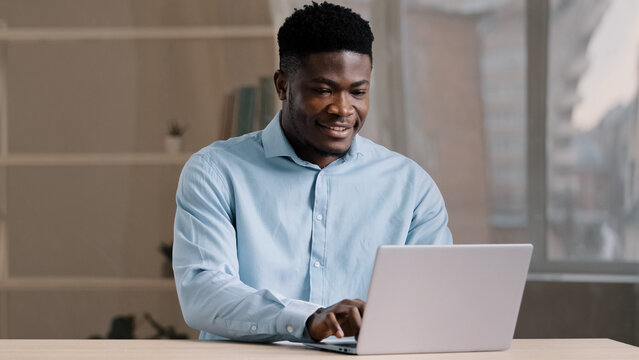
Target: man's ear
{"x":281,"y":84}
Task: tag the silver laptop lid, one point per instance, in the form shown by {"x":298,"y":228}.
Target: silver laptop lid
{"x":444,"y":298}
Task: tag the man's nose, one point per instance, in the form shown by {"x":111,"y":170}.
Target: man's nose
{"x":341,"y":105}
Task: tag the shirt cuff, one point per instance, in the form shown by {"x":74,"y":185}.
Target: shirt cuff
{"x":292,"y":320}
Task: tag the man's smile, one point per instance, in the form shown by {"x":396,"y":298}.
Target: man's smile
{"x":335,"y":131}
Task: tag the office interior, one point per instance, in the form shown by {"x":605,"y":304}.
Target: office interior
{"x":524,"y":112}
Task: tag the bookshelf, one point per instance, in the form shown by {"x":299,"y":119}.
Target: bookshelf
{"x":132,"y":33}
{"x":98,"y":159}
{"x":70,"y":283}
{"x":137,"y":156}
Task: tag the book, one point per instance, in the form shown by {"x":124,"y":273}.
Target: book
{"x":246,"y":106}
{"x":267,"y":91}
{"x":229,"y":115}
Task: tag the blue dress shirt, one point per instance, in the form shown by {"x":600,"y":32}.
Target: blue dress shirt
{"x":264,"y":238}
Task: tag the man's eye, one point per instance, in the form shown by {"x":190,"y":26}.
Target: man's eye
{"x":358,"y":92}
{"x":322,"y":91}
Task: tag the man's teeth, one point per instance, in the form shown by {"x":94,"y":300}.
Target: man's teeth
{"x":337,"y":128}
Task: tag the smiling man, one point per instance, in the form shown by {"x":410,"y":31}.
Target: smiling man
{"x":276,"y":231}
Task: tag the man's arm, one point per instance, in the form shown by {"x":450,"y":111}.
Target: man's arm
{"x":429,"y":225}
{"x":212,"y":297}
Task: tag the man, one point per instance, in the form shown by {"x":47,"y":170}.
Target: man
{"x":276,"y":231}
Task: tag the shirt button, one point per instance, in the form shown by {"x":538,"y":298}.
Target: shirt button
{"x":289,"y":329}
{"x":317,"y":264}
{"x":253,"y":327}
{"x":319,"y":217}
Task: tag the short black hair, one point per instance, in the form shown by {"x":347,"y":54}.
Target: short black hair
{"x":322,"y":27}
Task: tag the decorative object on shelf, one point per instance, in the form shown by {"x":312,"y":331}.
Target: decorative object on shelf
{"x":123,"y":327}
{"x":167,"y":332}
{"x":167,"y":265}
{"x":173,"y":140}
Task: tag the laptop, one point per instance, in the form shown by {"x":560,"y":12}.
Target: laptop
{"x":432,"y":298}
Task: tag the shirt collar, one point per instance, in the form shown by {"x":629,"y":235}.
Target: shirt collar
{"x":275,"y":143}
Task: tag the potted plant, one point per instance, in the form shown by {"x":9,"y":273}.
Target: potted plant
{"x":173,"y":140}
{"x":167,"y":265}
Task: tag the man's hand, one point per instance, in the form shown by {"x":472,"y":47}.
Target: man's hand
{"x":341,"y":319}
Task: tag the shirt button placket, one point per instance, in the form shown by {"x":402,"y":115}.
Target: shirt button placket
{"x":318,"y":239}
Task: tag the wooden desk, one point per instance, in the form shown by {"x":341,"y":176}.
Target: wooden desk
{"x":564,"y":349}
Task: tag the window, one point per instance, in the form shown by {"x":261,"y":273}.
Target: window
{"x":592,"y":206}
{"x":582,"y":158}
{"x":525,"y":113}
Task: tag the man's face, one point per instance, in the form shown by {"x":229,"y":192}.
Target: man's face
{"x":325,"y":103}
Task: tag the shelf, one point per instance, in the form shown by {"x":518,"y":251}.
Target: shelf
{"x":85,"y":284}
{"x":99,"y":159}
{"x":135,"y":33}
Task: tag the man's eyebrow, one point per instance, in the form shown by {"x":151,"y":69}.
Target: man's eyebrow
{"x":359,"y":83}
{"x":332,"y":83}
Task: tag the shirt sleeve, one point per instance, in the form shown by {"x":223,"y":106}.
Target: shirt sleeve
{"x":429,"y":225}
{"x":211,"y":294}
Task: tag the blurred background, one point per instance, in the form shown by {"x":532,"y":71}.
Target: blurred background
{"x":524,"y":112}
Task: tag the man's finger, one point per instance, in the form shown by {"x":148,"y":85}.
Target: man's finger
{"x":355,"y":320}
{"x":334,"y":325}
{"x":361,"y":305}
{"x":356,"y":316}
